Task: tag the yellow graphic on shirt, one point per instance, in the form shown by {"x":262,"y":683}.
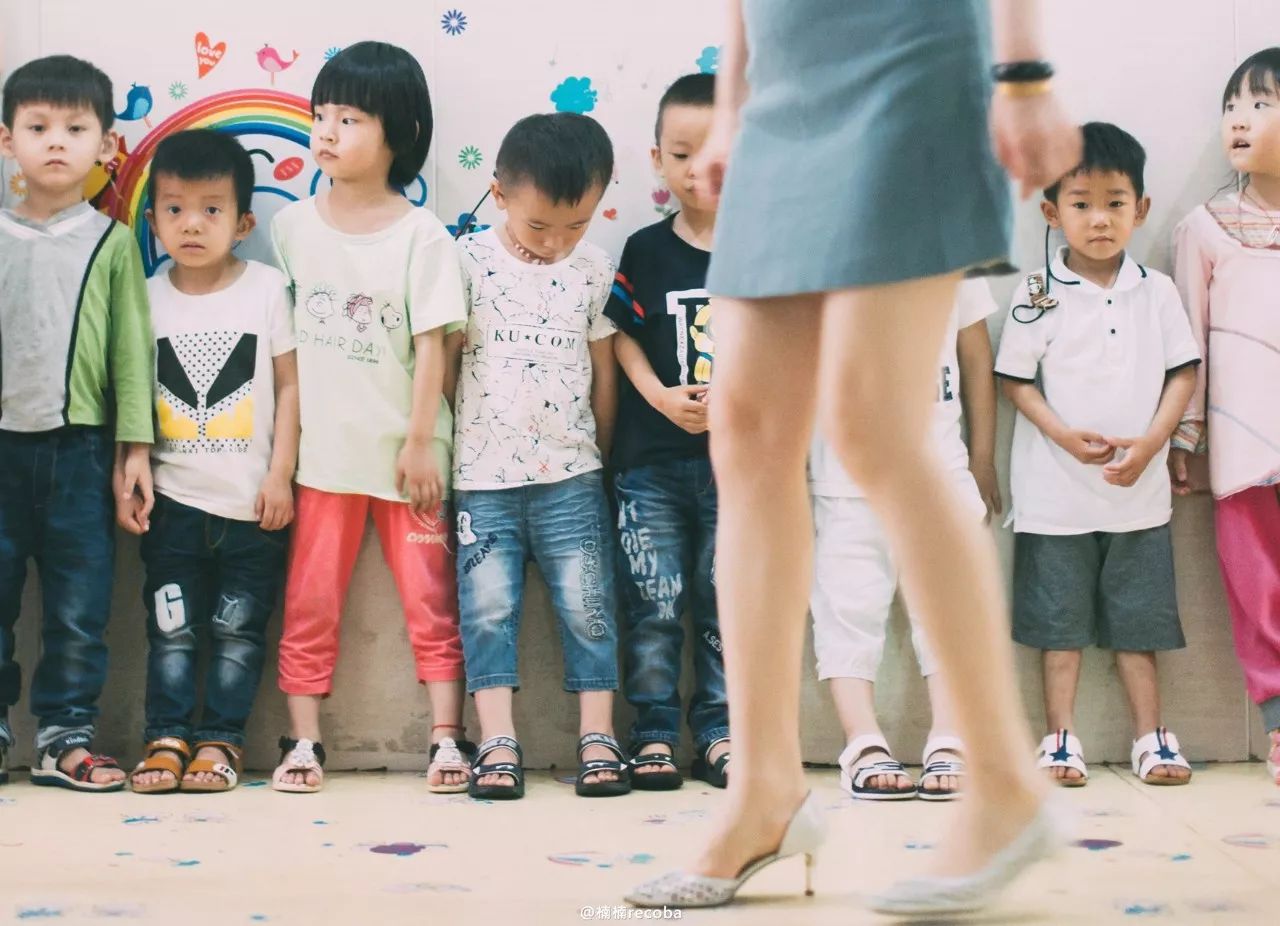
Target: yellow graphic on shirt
{"x":234,"y":424}
{"x":700,"y":331}
{"x":174,"y":426}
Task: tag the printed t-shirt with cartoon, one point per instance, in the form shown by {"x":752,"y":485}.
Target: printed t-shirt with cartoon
{"x":660,"y":300}
{"x":358,"y":302}
{"x":215,"y":388}
{"x":524,"y":395}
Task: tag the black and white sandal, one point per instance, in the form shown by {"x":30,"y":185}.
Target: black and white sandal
{"x":46,"y":771}
{"x":618,"y":766}
{"x":514,"y":770}
{"x":936,"y":769}
{"x":857,"y":768}
{"x":714,"y":773}
{"x":450,"y":755}
{"x":665,"y":775}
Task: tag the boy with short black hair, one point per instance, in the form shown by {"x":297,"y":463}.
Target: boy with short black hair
{"x":226,"y":401}
{"x":665,"y":488}
{"x":535,"y":408}
{"x":75,"y":362}
{"x":1098,"y":357}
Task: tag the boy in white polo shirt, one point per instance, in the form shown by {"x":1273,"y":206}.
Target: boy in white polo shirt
{"x":1099,"y":380}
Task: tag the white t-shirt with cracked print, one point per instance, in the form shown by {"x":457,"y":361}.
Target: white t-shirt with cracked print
{"x":974,"y":303}
{"x":215,"y":388}
{"x":524,"y":392}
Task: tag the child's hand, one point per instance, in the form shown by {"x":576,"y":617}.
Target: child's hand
{"x":274,"y":504}
{"x":418,"y":476}
{"x":984,"y":474}
{"x":1086,"y":446}
{"x":131,"y":480}
{"x":1132,"y":464}
{"x":684,"y":407}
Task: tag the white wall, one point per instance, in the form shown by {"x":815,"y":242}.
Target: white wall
{"x":1156,"y":67}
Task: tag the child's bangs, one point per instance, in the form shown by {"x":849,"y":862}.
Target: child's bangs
{"x":347,"y":84}
{"x":1259,"y":75}
{"x":62,"y":92}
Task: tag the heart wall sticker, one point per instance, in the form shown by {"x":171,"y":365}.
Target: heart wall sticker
{"x":207,"y":54}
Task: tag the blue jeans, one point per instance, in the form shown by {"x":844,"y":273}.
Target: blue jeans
{"x":666,"y":560}
{"x":564,"y":528}
{"x":206,"y":570}
{"x":56,"y":508}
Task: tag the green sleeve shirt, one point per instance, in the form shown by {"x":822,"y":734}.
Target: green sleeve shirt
{"x":75,"y":330}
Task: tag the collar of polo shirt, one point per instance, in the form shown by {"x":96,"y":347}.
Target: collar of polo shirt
{"x":1131,"y":274}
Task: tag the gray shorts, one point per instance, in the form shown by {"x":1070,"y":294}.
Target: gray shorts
{"x":1112,"y":590}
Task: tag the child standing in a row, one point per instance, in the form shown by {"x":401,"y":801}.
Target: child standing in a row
{"x":375,"y":284}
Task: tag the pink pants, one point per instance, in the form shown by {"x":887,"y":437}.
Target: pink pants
{"x":1248,"y":525}
{"x":326,"y":538}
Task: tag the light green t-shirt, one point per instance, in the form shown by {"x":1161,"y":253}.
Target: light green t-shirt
{"x":358,"y":302}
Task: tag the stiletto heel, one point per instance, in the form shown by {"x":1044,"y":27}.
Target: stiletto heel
{"x":805,"y":833}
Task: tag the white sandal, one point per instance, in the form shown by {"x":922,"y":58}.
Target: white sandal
{"x":1157,"y":748}
{"x":939,"y":768}
{"x":447,"y":756}
{"x":856,"y":770}
{"x":1273,"y":757}
{"x":299,"y":757}
{"x":1062,"y":750}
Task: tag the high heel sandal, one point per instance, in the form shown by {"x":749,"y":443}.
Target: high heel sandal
{"x":1047,"y":832}
{"x":804,"y":835}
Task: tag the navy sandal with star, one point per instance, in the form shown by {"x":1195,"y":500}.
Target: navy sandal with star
{"x":618,"y":766}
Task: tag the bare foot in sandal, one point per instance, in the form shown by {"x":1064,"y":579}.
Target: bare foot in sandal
{"x":639,"y":768}
{"x":68,"y":761}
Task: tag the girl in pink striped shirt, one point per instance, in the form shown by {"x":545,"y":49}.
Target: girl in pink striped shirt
{"x":1227,"y":267}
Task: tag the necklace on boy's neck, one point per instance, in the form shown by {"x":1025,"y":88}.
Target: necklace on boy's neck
{"x":524,"y":253}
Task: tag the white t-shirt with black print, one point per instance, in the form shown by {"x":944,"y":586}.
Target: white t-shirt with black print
{"x":524,"y":393}
{"x":215,"y":388}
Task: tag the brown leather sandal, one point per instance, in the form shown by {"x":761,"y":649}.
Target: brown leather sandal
{"x":166,"y":754}
{"x":228,"y":771}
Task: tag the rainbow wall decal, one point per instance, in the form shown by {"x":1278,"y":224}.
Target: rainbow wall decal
{"x":249,"y":112}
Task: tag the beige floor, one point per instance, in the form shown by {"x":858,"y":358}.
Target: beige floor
{"x":379,"y":849}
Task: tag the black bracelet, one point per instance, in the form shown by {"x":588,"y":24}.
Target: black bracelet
{"x":1021,"y":72}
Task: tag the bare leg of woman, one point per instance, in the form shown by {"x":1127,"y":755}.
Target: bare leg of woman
{"x":878,"y":377}
{"x":763,"y":401}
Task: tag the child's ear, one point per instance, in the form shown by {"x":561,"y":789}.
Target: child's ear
{"x":248,"y":222}
{"x":150,"y":215}
{"x":1142,"y":211}
{"x":498,"y":199}
{"x":6,"y":142}
{"x":1049,"y":210}
{"x":110,"y":145}
{"x":656,"y":154}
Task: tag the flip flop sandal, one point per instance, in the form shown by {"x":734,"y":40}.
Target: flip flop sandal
{"x":299,"y":756}
{"x":714,"y":773}
{"x":46,"y":772}
{"x":586,"y":767}
{"x":936,"y":769}
{"x":228,"y":771}
{"x":856,"y":770}
{"x":1062,"y":750}
{"x":514,"y":770}
{"x":1157,"y":748}
{"x":163,"y":754}
{"x":666,"y":778}
{"x":450,"y":755}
